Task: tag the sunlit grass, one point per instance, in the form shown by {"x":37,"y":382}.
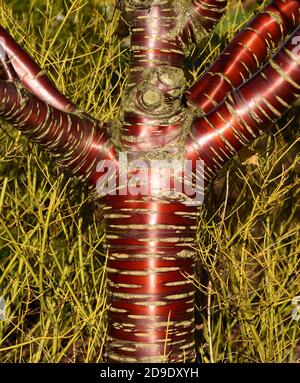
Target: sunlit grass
{"x":52,"y":258}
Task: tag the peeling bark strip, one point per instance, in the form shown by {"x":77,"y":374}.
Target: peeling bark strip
{"x":151,"y":257}
{"x":244,"y":55}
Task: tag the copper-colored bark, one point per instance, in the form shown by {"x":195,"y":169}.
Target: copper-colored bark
{"x":149,"y":237}
{"x":245,"y":54}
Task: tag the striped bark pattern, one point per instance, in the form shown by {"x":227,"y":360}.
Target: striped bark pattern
{"x":243,"y":115}
{"x":245,"y":54}
{"x":150,"y":287}
{"x":76,"y":142}
{"x":149,"y":237}
{"x":151,"y":263}
{"x":203,"y":15}
{"x":153,"y":114}
{"x":17,"y":63}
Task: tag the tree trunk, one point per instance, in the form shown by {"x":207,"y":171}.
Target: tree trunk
{"x":150,"y":235}
{"x":151,"y":261}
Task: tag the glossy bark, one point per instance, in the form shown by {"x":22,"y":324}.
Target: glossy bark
{"x":150,"y":236}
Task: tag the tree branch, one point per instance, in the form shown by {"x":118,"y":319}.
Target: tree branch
{"x":244,"y":55}
{"x":201,"y":16}
{"x":244,"y":114}
{"x":31,"y":75}
{"x":77,"y":142}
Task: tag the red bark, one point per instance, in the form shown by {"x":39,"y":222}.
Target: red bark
{"x":245,"y":54}
{"x":31,"y":75}
{"x":203,"y":15}
{"x":149,"y":237}
{"x":152,"y":311}
{"x":242,"y":116}
{"x":151,"y":314}
{"x":77,"y":142}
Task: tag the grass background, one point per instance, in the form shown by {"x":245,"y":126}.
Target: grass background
{"x":52,"y":260}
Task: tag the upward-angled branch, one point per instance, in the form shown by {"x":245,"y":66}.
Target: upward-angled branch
{"x":257,"y":104}
{"x":244,"y":55}
{"x":30,"y":74}
{"x":201,"y":16}
{"x":31,"y":103}
{"x":76,"y":142}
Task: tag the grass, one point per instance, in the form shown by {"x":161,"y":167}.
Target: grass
{"x":52,"y":259}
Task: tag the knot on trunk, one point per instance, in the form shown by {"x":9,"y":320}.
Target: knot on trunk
{"x":158,"y":93}
{"x":126,"y":5}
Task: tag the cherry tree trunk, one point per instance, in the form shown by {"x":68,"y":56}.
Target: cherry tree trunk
{"x":149,"y":238}
{"x":151,"y":234}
